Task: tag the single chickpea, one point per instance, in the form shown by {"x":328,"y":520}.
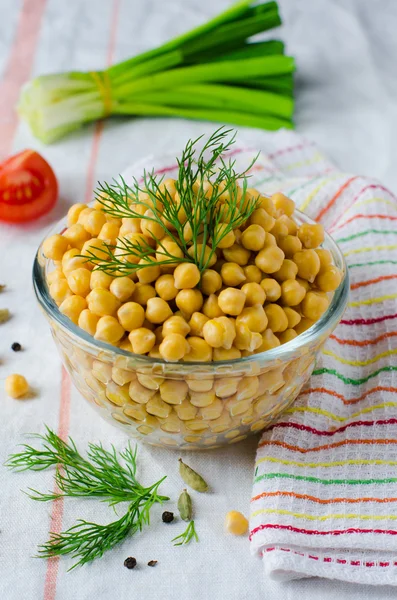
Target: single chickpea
{"x":303,"y":325}
{"x":287,"y":335}
{"x":55,"y":275}
{"x":272,"y":289}
{"x":59,"y":291}
{"x":255,"y":294}
{"x":94,"y":247}
{"x":232,"y":274}
{"x":209,"y":256}
{"x":200,"y":351}
{"x":269,"y":260}
{"x":168,"y":188}
{"x":142,"y":340}
{"x":142,"y":293}
{"x":231,"y":301}
{"x":173,"y":347}
{"x":329,"y":279}
{"x":109,"y":233}
{"x":55,"y":247}
{"x":158,"y":332}
{"x":254,"y":317}
{"x":79,"y":281}
{"x":211,"y":282}
{"x":290,"y":244}
{"x":175,"y":324}
{"x":165,"y":287}
{"x":325,"y":257}
{"x":292,"y":292}
{"x":129,"y":225}
{"x":246,"y":339}
{"x":109,"y":330}
{"x":72,"y":307}
{"x":288,"y":270}
{"x":186,"y":275}
{"x":277,"y":318}
{"x":155,"y":352}
{"x":253,"y":238}
{"x":76,"y":236}
{"x":279,"y":229}
{"x":269,"y":341}
{"x":314,"y":305}
{"x":283,"y":205}
{"x":88,"y":321}
{"x":74,"y":212}
{"x":224,"y":240}
{"x":150,"y":273}
{"x":237,"y":254}
{"x":219,"y":332}
{"x":102,"y":302}
{"x":151,"y":227}
{"x":293,"y":317}
{"x":308,"y":264}
{"x":99,"y":279}
{"x":289,"y":223}
{"x":252,"y":274}
{"x":166,"y":248}
{"x":263,"y":219}
{"x":94,"y":222}
{"x":264,"y":202}
{"x":83,"y":215}
{"x":311,"y":235}
{"x":157,"y":310}
{"x":196,"y":324}
{"x":122,"y":288}
{"x":16,"y":386}
{"x":189,"y":301}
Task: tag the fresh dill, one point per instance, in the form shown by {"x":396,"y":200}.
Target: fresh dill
{"x":187,"y":536}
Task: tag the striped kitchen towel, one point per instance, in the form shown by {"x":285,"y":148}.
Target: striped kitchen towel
{"x":325,"y":487}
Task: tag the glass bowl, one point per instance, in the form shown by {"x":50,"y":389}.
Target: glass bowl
{"x":191,"y":405}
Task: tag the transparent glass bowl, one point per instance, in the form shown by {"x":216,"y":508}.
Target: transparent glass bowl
{"x":188,"y":405}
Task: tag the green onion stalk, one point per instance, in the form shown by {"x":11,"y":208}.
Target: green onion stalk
{"x":213,"y":72}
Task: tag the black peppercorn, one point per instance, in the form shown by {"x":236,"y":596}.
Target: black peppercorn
{"x":130,"y":562}
{"x":152,"y":563}
{"x":16,"y":346}
{"x":167,"y":516}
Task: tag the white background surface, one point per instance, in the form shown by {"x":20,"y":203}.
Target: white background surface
{"x":346,"y":54}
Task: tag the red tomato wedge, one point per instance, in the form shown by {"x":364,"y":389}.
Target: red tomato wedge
{"x":28,"y":187}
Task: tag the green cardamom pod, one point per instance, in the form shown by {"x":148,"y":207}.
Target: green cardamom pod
{"x":185,"y":506}
{"x":193,"y":479}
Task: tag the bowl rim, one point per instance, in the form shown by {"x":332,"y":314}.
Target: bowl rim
{"x":281,"y":354}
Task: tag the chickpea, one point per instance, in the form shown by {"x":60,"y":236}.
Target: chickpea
{"x":200,"y":351}
{"x":174,"y":347}
{"x":325,"y":257}
{"x":277,"y":318}
{"x":314,"y":305}
{"x":311,"y":235}
{"x":196,"y":324}
{"x":150,"y":273}
{"x":186,"y":275}
{"x":293,"y":317}
{"x":254,"y":294}
{"x":189,"y":301}
{"x":211,"y":281}
{"x":308,"y":264}
{"x":290,"y":244}
{"x":232,"y":274}
{"x":303,"y":325}
{"x":94,"y":222}
{"x":74,"y":212}
{"x":211,"y":308}
{"x":252,"y":274}
{"x":231,"y":301}
{"x":209,"y":257}
{"x":304,"y":283}
{"x":109,"y":330}
{"x":102,"y":302}
{"x":219,"y":332}
{"x":55,"y":275}
{"x":59,"y":291}
{"x":83,"y":215}
{"x":122,"y":288}
{"x":237,"y":254}
{"x":130,"y":225}
{"x":288,"y":270}
{"x":95,"y":247}
{"x":174,"y":391}
{"x":142,"y":293}
{"x":236,"y":523}
{"x":224,"y":240}
{"x":175,"y":324}
{"x":55,"y":247}
{"x":168,"y":188}
{"x":254,"y":317}
{"x":165,"y":287}
{"x":287,"y":335}
{"x":329,"y":279}
{"x":88,"y":321}
{"x":76,"y":236}
{"x":272,"y":289}
{"x":168,"y":247}
{"x":292,"y":292}
{"x":223,"y":354}
{"x":279,"y":229}
{"x":289,"y":223}
{"x":253,"y":238}
{"x":263,"y":219}
{"x":283,"y":205}
{"x":142,"y":340}
{"x":109,"y":233}
{"x":157,"y":310}
{"x":269,"y":341}
{"x":269,"y":260}
{"x":150,"y":226}
{"x":72,"y":307}
{"x":99,"y":279}
{"x":16,"y":386}
{"x":246,"y":339}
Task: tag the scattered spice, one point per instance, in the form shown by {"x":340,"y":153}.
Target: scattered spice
{"x":167,"y":516}
{"x":130,"y":562}
{"x":185,"y":506}
{"x":152,"y":563}
{"x":4,"y":315}
{"x":2,"y":287}
{"x":193,"y":479}
{"x":16,"y":347}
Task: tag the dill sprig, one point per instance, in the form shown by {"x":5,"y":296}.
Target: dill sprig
{"x":105,"y":474}
{"x":208,"y":195}
{"x":186,"y":536}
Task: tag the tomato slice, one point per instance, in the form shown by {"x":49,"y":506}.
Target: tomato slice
{"x":28,"y":187}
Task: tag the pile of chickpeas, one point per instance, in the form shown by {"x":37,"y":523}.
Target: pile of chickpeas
{"x":267,"y":282}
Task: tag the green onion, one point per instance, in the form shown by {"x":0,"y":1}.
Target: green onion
{"x":213,"y":72}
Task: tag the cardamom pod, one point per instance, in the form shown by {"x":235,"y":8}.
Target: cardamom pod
{"x":193,"y":479}
{"x":185,"y":506}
